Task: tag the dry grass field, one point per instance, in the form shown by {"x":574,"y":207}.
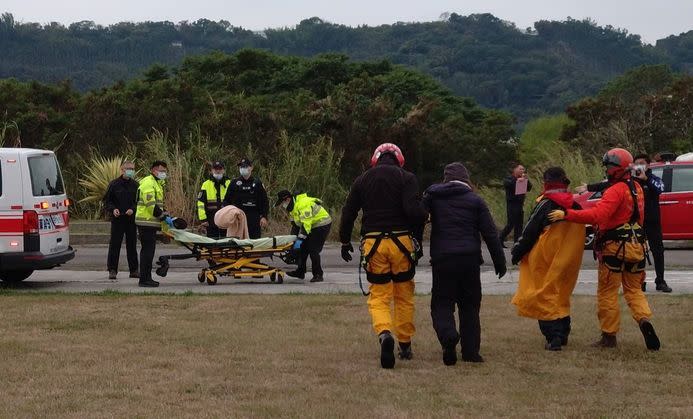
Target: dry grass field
{"x":315,"y":356}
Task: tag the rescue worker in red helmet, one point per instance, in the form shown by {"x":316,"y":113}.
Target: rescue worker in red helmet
{"x":392,"y":220}
{"x":620,"y":249}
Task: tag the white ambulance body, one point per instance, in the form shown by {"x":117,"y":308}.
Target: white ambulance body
{"x":34,"y":221}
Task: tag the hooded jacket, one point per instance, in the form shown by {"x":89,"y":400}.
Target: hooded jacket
{"x":459,"y":218}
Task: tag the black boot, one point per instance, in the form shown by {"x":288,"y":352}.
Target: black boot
{"x":607,"y":340}
{"x":387,"y":350}
{"x":663,"y":286}
{"x":149,"y":283}
{"x":648,"y":332}
{"x":450,"y":354}
{"x":297,"y":274}
{"x":554,"y":344}
{"x":405,"y":351}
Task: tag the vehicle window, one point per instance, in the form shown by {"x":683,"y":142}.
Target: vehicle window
{"x":46,"y":179}
{"x":658,"y":172}
{"x":682,"y":181}
{"x":0,"y":179}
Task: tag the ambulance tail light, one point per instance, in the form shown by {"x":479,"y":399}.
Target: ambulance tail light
{"x":45,"y":205}
{"x":30,"y":222}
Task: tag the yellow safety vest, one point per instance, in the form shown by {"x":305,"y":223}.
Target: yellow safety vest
{"x":208,"y":200}
{"x":149,"y":194}
{"x":309,"y":213}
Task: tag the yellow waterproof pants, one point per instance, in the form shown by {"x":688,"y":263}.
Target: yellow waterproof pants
{"x":608,"y":309}
{"x":391,"y":275}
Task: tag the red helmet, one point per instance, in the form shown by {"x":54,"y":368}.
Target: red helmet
{"x":387,"y":148}
{"x":617,"y":162}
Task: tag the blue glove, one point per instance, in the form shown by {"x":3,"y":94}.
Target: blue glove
{"x":169,"y":220}
{"x":298,"y":243}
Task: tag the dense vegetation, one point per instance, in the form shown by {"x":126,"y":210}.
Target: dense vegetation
{"x":220,"y":106}
{"x":528,"y":72}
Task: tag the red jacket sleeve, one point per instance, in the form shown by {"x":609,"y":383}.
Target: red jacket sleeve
{"x":604,"y":210}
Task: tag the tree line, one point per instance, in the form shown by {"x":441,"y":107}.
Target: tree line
{"x":528,"y":72}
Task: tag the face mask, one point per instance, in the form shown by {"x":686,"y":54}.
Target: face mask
{"x":129,"y":173}
{"x":245,"y":172}
{"x":161,"y":175}
{"x":217,"y":176}
{"x":285,"y":205}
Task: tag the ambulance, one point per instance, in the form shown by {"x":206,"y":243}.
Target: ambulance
{"x":34,"y":221}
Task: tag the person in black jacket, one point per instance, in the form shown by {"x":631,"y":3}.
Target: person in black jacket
{"x":514,"y":203}
{"x":653,"y":187}
{"x":120,"y":201}
{"x":392,"y":221}
{"x":458,"y":218}
{"x":247,"y":193}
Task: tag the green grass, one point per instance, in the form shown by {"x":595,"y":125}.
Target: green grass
{"x":316,"y":356}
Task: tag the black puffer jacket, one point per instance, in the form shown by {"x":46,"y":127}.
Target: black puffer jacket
{"x":389,"y":198}
{"x":459,"y":219}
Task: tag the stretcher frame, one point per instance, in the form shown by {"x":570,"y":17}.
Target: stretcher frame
{"x":229,"y":259}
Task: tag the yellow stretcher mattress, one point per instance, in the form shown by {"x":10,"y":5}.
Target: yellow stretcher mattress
{"x":264,"y":243}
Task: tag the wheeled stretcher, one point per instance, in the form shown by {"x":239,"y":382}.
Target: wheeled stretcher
{"x":231,"y":257}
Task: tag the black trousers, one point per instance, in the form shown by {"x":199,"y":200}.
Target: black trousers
{"x":253,"y":218}
{"x":312,"y":246}
{"x":457,"y":282}
{"x":555,"y":328}
{"x":515,"y":216}
{"x":122,"y":226}
{"x":214,"y":232}
{"x":147,"y":249}
{"x":654,"y":239}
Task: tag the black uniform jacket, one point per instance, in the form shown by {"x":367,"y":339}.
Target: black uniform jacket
{"x":121,"y":194}
{"x":248,"y":195}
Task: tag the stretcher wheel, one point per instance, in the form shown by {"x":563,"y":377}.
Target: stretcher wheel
{"x":211,"y":279}
{"x":201,"y":276}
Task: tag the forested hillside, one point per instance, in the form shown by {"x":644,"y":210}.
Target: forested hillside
{"x":528,"y":72}
{"x":248,"y":101}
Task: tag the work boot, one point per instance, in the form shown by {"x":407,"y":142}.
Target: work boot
{"x":449,"y":354}
{"x":554,"y":344}
{"x":472,"y":358}
{"x":663,"y":286}
{"x":134,"y":274}
{"x":405,"y":351}
{"x":387,"y":350}
{"x":297,"y":274}
{"x":648,"y":332}
{"x":643,"y":286}
{"x":317,"y":278}
{"x":606,"y":341}
{"x":112,"y":274}
{"x":149,"y":284}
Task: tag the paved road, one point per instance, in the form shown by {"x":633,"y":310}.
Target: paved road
{"x":93,"y":257}
{"x":86,"y":273}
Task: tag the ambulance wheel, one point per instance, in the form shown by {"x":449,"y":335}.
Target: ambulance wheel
{"x":202,"y":276}
{"x":14,"y":276}
{"x":211,"y":279}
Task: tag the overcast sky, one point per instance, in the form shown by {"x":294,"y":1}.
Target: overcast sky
{"x":651,"y":19}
